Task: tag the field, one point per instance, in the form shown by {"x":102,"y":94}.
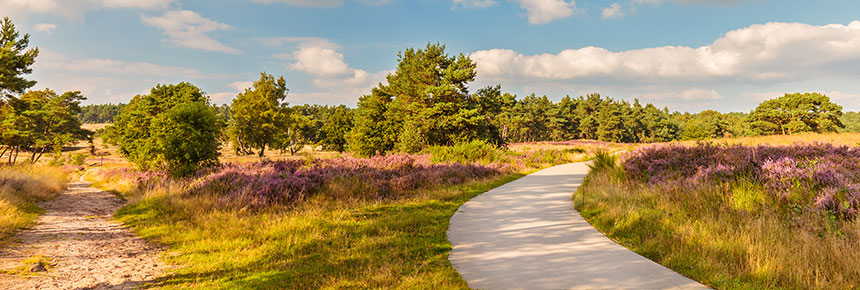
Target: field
{"x":320,"y":221}
{"x":751,"y":213}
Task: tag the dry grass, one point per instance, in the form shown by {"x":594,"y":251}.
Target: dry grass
{"x":20,"y":186}
{"x":729,"y":235}
{"x":849,"y":139}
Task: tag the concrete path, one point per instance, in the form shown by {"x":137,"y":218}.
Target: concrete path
{"x":526,"y":235}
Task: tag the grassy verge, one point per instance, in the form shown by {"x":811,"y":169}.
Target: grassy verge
{"x":319,"y":244}
{"x":729,"y":235}
{"x":20,"y":187}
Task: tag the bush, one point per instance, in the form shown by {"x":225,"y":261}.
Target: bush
{"x":475,"y":151}
{"x":173,"y":128}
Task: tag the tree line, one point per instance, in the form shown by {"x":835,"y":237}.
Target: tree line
{"x":425,"y":102}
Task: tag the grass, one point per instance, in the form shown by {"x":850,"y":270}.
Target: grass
{"x":20,"y":187}
{"x":321,"y":244}
{"x":728,"y":235}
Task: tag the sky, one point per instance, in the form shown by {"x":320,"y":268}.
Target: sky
{"x":688,"y":55}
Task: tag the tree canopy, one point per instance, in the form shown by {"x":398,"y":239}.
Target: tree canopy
{"x":173,"y":127}
{"x":15,"y":60}
{"x":258,"y":115}
{"x":426,"y":102}
{"x":796,"y":113}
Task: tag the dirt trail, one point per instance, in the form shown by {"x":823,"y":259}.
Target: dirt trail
{"x":87,"y":250}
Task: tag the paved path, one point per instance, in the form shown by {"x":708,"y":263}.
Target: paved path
{"x":526,"y":235}
{"x":87,"y":249}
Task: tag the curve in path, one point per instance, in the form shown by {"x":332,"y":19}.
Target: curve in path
{"x":87,"y":250}
{"x":526,"y":235}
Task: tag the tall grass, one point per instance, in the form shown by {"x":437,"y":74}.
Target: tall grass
{"x":318,"y":223}
{"x":20,"y":187}
{"x":736,"y":217}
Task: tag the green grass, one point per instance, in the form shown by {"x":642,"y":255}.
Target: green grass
{"x":320,"y":244}
{"x":727,"y":236}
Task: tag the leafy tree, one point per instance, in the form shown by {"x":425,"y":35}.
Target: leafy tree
{"x":258,"y":114}
{"x":96,"y":114}
{"x":186,"y":136}
{"x":333,"y":134}
{"x":851,"y":121}
{"x":796,"y":113}
{"x":15,"y":60}
{"x":41,"y":121}
{"x":173,"y":127}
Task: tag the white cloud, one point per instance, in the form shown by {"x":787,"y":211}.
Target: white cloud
{"x":320,"y":62}
{"x":473,"y":3}
{"x":45,"y":27}
{"x":772,"y":52}
{"x":543,"y":11}
{"x":613,"y":11}
{"x":72,"y":9}
{"x":693,"y":94}
{"x":189,"y":29}
{"x":240,"y":86}
{"x":105,"y":80}
{"x":335,"y":81}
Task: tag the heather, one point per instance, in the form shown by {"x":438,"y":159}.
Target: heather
{"x":310,"y":223}
{"x":802,"y":177}
{"x":20,"y":187}
{"x":266,"y":183}
{"x":735,"y":216}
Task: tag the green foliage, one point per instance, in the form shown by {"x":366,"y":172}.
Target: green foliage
{"x":40,"y":121}
{"x":796,"y":113}
{"x":603,"y":161}
{"x":186,"y":137}
{"x":174,"y":127}
{"x":258,"y":114}
{"x":851,"y":120}
{"x":474,"y":151}
{"x":15,"y":60}
{"x":426,"y":102}
{"x":97,"y":114}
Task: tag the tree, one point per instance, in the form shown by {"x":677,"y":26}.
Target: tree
{"x":426,"y":102}
{"x":796,"y":113}
{"x":15,"y":60}
{"x":334,"y":132}
{"x":174,"y":127}
{"x":258,"y":114}
{"x":41,"y":121}
{"x":186,"y":135}
{"x":370,"y":134}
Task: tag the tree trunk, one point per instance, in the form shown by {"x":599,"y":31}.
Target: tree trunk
{"x":262,"y":151}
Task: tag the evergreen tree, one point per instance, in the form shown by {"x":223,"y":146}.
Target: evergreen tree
{"x":796,"y":113}
{"x":15,"y":60}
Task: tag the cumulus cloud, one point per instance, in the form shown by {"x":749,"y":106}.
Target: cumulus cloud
{"x":189,"y":29}
{"x":613,"y":11}
{"x":74,"y":8}
{"x":543,"y":11}
{"x":321,"y":3}
{"x":45,"y":27}
{"x":99,"y":79}
{"x":334,"y":79}
{"x":693,"y":94}
{"x":770,"y":52}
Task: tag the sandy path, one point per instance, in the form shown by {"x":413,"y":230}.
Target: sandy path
{"x":526,"y":235}
{"x":87,"y":249}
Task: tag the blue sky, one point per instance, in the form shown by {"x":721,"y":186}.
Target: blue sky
{"x":689,"y":55}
